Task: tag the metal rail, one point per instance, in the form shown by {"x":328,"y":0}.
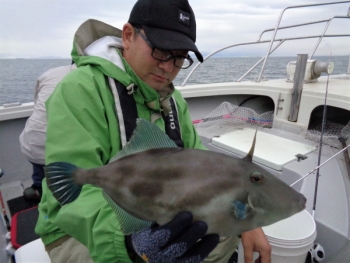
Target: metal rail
{"x":306,"y":24}
{"x":271,"y":50}
{"x":279,"y":21}
{"x":252,"y":43}
{"x":335,"y":155}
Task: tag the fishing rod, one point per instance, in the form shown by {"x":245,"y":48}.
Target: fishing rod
{"x":320,"y":147}
{"x":317,"y":167}
{"x":321,"y":139}
{"x":6,"y":219}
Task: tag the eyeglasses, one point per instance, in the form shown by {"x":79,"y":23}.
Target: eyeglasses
{"x":165,"y":55}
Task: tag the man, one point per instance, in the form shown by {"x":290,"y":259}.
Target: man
{"x":33,"y":136}
{"x":121,"y":76}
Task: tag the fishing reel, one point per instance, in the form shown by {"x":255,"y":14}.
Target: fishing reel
{"x":317,"y":253}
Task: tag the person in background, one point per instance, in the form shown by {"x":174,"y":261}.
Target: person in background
{"x":121,"y":76}
{"x":33,"y":137}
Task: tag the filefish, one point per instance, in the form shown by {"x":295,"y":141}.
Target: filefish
{"x":151,"y":180}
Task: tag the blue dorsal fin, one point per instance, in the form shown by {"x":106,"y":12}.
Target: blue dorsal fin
{"x":249,"y":156}
{"x":146,"y":136}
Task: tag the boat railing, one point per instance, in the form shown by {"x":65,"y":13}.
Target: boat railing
{"x":305,"y":24}
{"x":271,"y":49}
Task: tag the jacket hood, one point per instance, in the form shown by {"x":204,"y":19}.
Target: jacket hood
{"x":99,"y":44}
{"x":90,"y":31}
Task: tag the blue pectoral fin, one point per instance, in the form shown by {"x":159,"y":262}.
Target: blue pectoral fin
{"x":128,"y":223}
{"x":239,"y":209}
{"x":59,"y":178}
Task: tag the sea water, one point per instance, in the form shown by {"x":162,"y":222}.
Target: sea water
{"x":18,"y":76}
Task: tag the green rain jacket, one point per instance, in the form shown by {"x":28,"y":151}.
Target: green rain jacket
{"x":83,"y":129}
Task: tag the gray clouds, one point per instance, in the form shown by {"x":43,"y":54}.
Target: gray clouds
{"x":41,"y":28}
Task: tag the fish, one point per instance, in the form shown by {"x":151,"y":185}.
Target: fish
{"x":151,"y":180}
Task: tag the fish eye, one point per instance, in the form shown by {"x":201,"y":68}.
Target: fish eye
{"x":256,"y":177}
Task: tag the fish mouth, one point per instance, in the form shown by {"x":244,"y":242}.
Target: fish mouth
{"x":301,"y":203}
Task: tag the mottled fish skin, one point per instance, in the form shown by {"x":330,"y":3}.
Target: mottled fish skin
{"x":231,"y":195}
{"x":151,"y":185}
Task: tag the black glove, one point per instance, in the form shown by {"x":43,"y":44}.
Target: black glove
{"x":174,"y":242}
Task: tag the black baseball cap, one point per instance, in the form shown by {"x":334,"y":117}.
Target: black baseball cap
{"x":168,"y":24}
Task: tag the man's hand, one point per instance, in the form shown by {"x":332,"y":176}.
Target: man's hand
{"x":174,"y":242}
{"x":256,"y":241}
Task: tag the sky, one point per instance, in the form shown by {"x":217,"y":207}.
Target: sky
{"x":45,"y":28}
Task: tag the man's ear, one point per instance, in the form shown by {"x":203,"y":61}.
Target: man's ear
{"x":128,"y":35}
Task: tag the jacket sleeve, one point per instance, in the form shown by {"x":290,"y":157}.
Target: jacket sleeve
{"x":83,"y":130}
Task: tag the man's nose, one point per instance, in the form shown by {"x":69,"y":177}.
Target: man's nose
{"x":168,"y":66}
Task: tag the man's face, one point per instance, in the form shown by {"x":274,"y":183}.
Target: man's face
{"x":138,"y":54}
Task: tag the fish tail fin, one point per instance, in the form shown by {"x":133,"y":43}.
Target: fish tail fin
{"x":60,"y":180}
{"x":128,"y":223}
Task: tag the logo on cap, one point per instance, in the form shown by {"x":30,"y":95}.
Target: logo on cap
{"x":184,"y":17}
